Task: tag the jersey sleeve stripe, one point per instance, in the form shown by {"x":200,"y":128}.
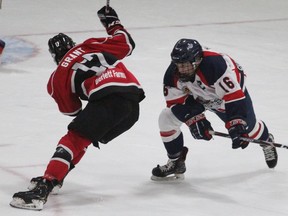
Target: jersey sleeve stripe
{"x":235,"y":96}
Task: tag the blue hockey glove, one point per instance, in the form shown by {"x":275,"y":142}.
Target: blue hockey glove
{"x":199,"y":127}
{"x":237,"y":128}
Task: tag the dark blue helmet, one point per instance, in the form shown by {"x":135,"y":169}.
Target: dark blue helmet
{"x":186,"y":50}
{"x":59,"y":45}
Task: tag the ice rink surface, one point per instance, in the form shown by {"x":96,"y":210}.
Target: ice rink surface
{"x":115,"y":180}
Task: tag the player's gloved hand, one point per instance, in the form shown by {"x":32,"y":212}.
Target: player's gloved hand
{"x":108,"y":17}
{"x":237,"y":129}
{"x":199,"y":127}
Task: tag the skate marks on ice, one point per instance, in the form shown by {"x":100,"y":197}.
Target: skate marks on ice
{"x":215,"y":188}
{"x":6,"y":70}
{"x":246,"y":191}
{"x":220,"y":193}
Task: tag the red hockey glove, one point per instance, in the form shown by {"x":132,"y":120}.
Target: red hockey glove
{"x":108,"y":18}
{"x":199,"y":127}
{"x":237,"y":129}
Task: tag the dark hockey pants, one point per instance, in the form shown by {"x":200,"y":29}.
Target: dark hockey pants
{"x":106,"y":119}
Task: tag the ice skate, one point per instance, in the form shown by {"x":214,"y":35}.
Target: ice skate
{"x":34,"y":181}
{"x":33,"y":199}
{"x":270,"y":153}
{"x":173,"y":170}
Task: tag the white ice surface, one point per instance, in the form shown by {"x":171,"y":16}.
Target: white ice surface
{"x":116,"y":179}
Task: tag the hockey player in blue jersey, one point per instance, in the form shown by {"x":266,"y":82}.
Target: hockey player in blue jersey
{"x":197,"y":80}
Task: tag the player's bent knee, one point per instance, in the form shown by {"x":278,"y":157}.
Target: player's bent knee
{"x":167,"y":121}
{"x":169,"y":125}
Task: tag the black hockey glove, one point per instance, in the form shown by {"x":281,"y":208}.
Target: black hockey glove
{"x":108,"y":17}
{"x":237,"y":129}
{"x":199,"y":127}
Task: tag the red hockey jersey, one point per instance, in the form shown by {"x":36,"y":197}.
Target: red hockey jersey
{"x":92,"y":70}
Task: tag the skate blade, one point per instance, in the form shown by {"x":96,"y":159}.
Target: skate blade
{"x":176,"y":177}
{"x":36,"y":205}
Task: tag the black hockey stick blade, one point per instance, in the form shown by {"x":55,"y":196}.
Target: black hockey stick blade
{"x":261,"y":142}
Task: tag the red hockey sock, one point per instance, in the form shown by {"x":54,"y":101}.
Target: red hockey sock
{"x":71,"y":147}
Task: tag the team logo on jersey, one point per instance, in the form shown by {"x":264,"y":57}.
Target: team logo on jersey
{"x":212,"y":104}
{"x":186,"y":90}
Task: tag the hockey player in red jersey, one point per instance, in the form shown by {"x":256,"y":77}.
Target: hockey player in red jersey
{"x":2,"y":46}
{"x":198,"y":80}
{"x":90,"y":71}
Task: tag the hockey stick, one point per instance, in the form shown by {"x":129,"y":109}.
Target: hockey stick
{"x":107,"y":5}
{"x":261,"y":142}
